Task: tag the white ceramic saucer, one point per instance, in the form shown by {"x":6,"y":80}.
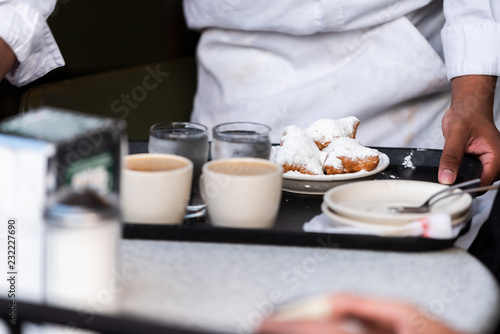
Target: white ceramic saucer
{"x":369,"y":201}
{"x":380,"y":229}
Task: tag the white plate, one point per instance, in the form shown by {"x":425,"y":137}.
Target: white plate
{"x":369,"y":201}
{"x":296,"y":182}
{"x":376,"y":228}
{"x":386,"y":230}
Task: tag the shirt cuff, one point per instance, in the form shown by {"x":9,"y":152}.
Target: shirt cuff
{"x":27,"y":33}
{"x":472,"y":49}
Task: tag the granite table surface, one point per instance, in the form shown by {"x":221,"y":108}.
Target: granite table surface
{"x":229,"y":288}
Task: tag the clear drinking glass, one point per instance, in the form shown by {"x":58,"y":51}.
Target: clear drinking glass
{"x":241,"y":139}
{"x":189,"y":140}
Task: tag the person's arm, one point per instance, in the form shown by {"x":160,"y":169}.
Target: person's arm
{"x":24,"y":28}
{"x":7,"y":58}
{"x":471,"y":42}
{"x":468,"y":127}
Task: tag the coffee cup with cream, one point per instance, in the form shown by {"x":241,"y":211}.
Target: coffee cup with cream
{"x":155,"y":188}
{"x":242,"y":192}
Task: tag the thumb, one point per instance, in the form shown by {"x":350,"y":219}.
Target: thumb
{"x":451,"y":158}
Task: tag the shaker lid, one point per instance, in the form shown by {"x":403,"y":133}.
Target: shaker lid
{"x":81,"y":209}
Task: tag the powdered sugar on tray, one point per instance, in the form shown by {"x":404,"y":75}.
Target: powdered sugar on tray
{"x":407,"y":163}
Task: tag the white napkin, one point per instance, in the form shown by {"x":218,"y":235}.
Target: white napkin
{"x":436,"y":226}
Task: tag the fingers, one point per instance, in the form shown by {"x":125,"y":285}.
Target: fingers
{"x":345,"y":314}
{"x":385,"y":314}
{"x":481,"y":139}
{"x":352,"y":314}
{"x":491,"y":164}
{"x":451,"y":159}
{"x":388,"y":316}
{"x":488,"y":174}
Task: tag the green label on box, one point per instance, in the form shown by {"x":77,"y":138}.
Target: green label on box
{"x":93,"y":172}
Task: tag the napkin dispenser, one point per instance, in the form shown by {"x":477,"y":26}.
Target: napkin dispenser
{"x":45,"y":153}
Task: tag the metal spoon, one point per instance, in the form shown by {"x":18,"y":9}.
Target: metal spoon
{"x":426,"y":206}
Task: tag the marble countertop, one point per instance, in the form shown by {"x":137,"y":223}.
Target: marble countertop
{"x":231,"y":287}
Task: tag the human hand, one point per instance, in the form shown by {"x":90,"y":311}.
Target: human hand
{"x":374,"y":316}
{"x":7,"y":58}
{"x":468,"y":127}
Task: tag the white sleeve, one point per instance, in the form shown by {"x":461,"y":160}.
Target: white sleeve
{"x":24,"y":28}
{"x":471,"y":37}
{"x":298,"y":17}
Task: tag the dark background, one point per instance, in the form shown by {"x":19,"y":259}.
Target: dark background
{"x":97,"y":36}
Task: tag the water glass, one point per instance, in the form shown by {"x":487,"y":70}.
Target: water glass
{"x":186,"y":139}
{"x":241,"y":139}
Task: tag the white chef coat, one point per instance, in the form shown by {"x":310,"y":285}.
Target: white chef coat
{"x":24,"y":28}
{"x":296,"y":61}
{"x":292,"y":62}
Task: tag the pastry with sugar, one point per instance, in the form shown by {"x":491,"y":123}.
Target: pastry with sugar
{"x":298,"y":152}
{"x":332,"y":165}
{"x":324,"y":130}
{"x":354,"y":157}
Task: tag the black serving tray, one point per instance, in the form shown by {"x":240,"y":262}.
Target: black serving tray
{"x":296,"y":209}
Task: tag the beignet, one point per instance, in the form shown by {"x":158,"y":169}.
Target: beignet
{"x":324,"y":130}
{"x":353,"y":155}
{"x":298,"y":152}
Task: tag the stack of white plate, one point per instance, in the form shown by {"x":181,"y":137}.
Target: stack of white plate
{"x":366,"y":204}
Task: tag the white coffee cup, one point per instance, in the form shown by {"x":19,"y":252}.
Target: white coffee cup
{"x":242,"y":192}
{"x":155,"y":188}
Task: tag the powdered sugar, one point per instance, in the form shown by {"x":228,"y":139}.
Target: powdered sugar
{"x":407,"y":162}
{"x":299,"y":150}
{"x":349,"y":148}
{"x":331,"y":160}
{"x":325,"y":130}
